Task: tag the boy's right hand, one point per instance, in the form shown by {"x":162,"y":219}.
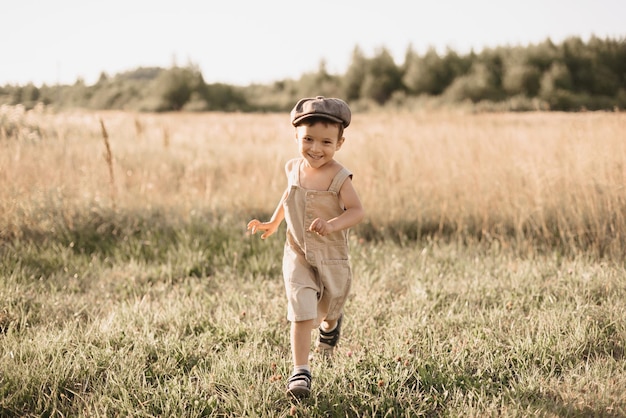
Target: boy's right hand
{"x":256,"y":225}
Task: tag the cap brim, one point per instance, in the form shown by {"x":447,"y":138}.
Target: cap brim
{"x":319,"y":115}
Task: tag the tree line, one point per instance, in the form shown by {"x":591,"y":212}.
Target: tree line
{"x":569,"y":76}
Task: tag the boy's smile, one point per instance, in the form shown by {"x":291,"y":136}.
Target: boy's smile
{"x":318,"y":143}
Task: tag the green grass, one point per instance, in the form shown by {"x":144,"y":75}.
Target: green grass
{"x":147,"y":314}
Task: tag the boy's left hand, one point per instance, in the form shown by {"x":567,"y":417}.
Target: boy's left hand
{"x":321,"y":227}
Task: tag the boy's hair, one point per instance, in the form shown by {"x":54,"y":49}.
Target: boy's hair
{"x":312,"y":120}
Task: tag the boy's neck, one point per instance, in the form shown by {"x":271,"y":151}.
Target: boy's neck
{"x":327,"y":165}
{"x":318,"y":178}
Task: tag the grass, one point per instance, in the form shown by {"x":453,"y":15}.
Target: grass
{"x":199,"y":330}
{"x":163,"y":306}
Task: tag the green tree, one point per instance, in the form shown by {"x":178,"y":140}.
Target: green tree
{"x":431,"y":74}
{"x":493,"y":60}
{"x":542,"y":55}
{"x":27,"y":95}
{"x":608,"y":64}
{"x":557,"y":77}
{"x":556,"y":88}
{"x":422,"y":73}
{"x":521,"y":79}
{"x":319,"y":83}
{"x":519,"y":76}
{"x":477,"y":85}
{"x":355,"y":75}
{"x":578,"y":60}
{"x":223,"y":97}
{"x":175,"y":86}
{"x":382,"y":78}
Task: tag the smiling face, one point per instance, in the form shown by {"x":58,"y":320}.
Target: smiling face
{"x":318,"y":142}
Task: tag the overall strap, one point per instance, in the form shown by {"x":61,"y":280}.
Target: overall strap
{"x":294,"y":175}
{"x":338,"y":180}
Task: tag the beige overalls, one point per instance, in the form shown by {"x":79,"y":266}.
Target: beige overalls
{"x":316,"y":269}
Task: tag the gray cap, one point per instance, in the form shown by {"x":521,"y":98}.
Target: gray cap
{"x":333,"y":109}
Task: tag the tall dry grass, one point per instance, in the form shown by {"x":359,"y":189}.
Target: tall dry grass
{"x":525,"y":180}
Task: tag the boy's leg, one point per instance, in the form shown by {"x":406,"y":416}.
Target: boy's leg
{"x":329,"y":324}
{"x":301,"y":341}
{"x":336,"y":279}
{"x":299,"y":384}
{"x":329,"y":333}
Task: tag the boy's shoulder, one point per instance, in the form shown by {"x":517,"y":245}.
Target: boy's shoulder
{"x":289,"y":165}
{"x":294,"y":161}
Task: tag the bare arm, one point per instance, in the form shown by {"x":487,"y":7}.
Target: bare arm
{"x":272,"y":225}
{"x":353,"y":214}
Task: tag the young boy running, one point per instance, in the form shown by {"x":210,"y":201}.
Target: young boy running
{"x":319,"y":205}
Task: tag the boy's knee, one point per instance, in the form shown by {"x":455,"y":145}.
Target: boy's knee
{"x":306,"y":324}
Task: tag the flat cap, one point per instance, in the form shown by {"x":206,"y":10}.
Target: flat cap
{"x":330,"y":108}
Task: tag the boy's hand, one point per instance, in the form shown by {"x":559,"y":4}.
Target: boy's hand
{"x":255,"y":225}
{"x":321,"y":227}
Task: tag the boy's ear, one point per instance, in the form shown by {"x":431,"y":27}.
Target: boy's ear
{"x":340,"y":142}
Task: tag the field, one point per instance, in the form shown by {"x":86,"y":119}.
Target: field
{"x":489,"y":272}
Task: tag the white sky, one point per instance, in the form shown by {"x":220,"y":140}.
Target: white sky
{"x":246,"y":41}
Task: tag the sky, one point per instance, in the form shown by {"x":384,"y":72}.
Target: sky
{"x":241,"y":42}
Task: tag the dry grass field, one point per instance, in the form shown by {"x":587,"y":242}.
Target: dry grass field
{"x":532,"y":180}
{"x":489,"y":272}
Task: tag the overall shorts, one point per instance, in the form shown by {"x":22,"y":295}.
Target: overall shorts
{"x":316,"y":269}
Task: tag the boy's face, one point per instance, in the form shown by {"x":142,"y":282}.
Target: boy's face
{"x":318,"y":142}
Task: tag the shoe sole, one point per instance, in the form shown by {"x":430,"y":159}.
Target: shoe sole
{"x":298,"y":392}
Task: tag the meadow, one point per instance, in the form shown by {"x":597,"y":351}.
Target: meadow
{"x":489,"y":273}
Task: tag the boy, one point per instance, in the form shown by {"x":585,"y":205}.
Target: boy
{"x":319,"y":205}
